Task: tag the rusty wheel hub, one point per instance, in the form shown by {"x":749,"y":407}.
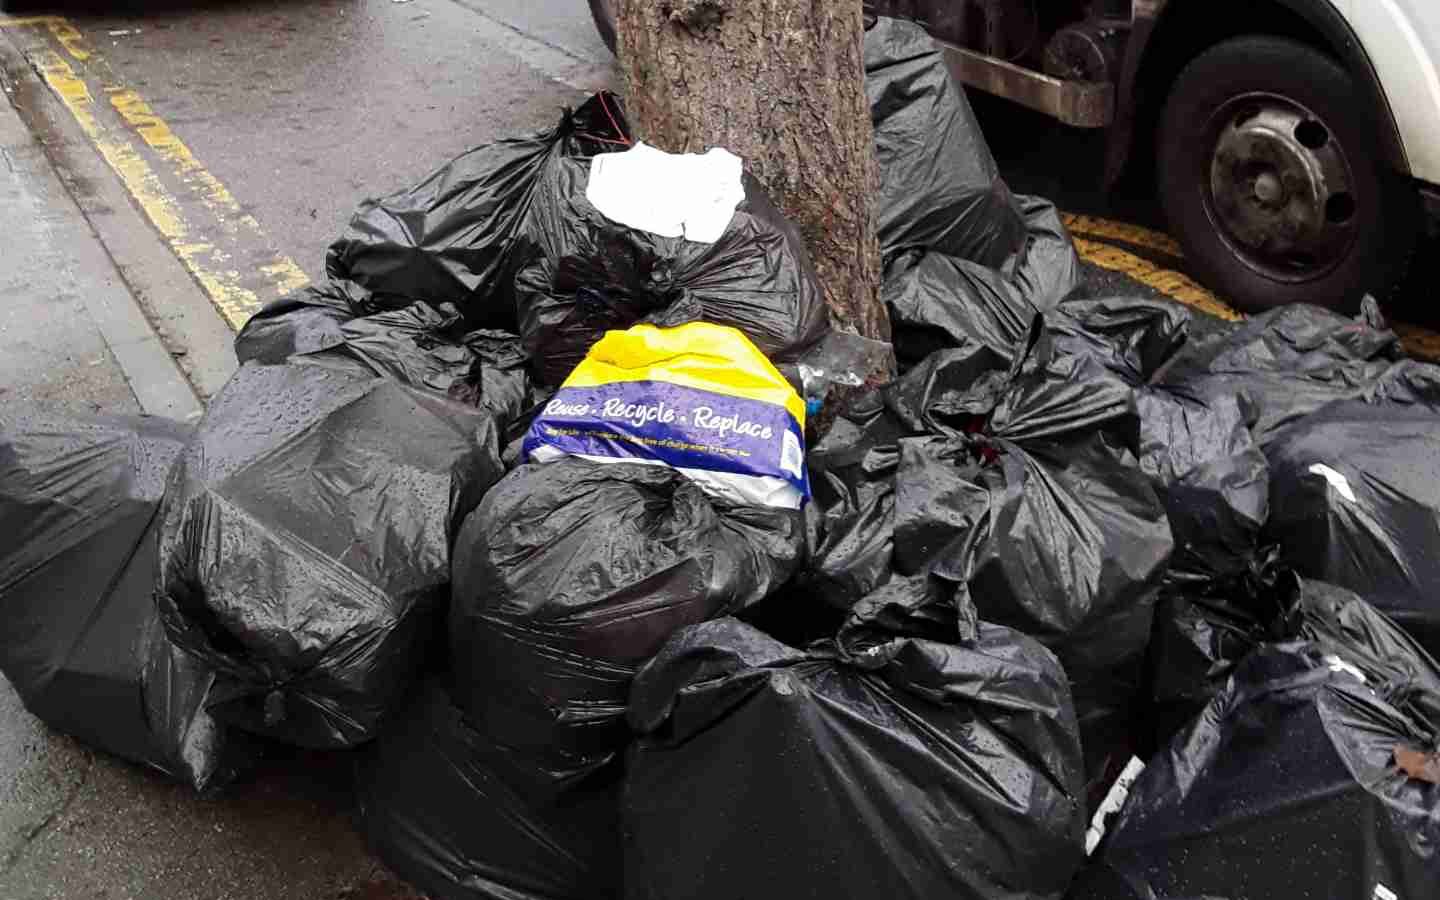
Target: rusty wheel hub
{"x":1280,"y":188}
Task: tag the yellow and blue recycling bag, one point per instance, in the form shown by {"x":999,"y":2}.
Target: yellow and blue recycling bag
{"x":700,"y":398}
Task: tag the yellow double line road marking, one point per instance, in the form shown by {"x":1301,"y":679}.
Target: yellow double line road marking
{"x":1092,"y":236}
{"x":1125,"y":233}
{"x":152,"y":162}
{"x":1091,"y":233}
{"x":1175,"y":285}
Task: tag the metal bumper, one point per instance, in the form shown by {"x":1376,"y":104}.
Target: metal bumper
{"x":1081,"y":104}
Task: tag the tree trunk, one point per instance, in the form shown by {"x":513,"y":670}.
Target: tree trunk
{"x":780,"y":83}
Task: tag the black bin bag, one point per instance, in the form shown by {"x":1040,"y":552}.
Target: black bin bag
{"x":1292,"y":361}
{"x":850,"y":523}
{"x":572,"y":574}
{"x":80,"y":638}
{"x":1131,"y":338}
{"x":1216,"y":597}
{"x":939,"y":186}
{"x":305,"y":544}
{"x":937,"y":301}
{"x":1356,"y":501}
{"x":1066,"y":544}
{"x":1312,"y":774}
{"x":459,"y":235}
{"x":418,"y":345}
{"x":908,"y":768}
{"x":1021,"y":490}
{"x":464,"y":818}
{"x":589,"y":275}
{"x":307,"y":323}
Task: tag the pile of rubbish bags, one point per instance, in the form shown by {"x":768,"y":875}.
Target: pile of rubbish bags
{"x":528,"y":507}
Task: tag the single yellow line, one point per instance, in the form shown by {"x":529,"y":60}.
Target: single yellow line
{"x":235,"y":303}
{"x":25,"y":21}
{"x":1174,"y":285}
{"x":1134,"y":235}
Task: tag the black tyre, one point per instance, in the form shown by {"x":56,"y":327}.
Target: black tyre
{"x":604,"y":13}
{"x":1272,"y":179}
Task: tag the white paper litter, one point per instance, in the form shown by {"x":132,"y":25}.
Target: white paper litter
{"x":687,"y":195}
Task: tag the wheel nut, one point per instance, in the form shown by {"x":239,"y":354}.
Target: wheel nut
{"x":1268,"y":188}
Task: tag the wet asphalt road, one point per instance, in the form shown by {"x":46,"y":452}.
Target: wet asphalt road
{"x":304,"y":108}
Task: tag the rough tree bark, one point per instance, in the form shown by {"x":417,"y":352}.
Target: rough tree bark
{"x":781,"y":84}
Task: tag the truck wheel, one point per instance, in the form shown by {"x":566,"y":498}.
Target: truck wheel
{"x":604,"y":13}
{"x":1272,"y":179}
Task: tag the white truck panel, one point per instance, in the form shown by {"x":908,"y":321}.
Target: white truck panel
{"x":1402,"y":39}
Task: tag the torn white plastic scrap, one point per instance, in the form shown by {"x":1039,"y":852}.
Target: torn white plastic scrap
{"x":1337,"y":481}
{"x":1336,"y":664}
{"x":1114,"y":800}
{"x":687,"y":195}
